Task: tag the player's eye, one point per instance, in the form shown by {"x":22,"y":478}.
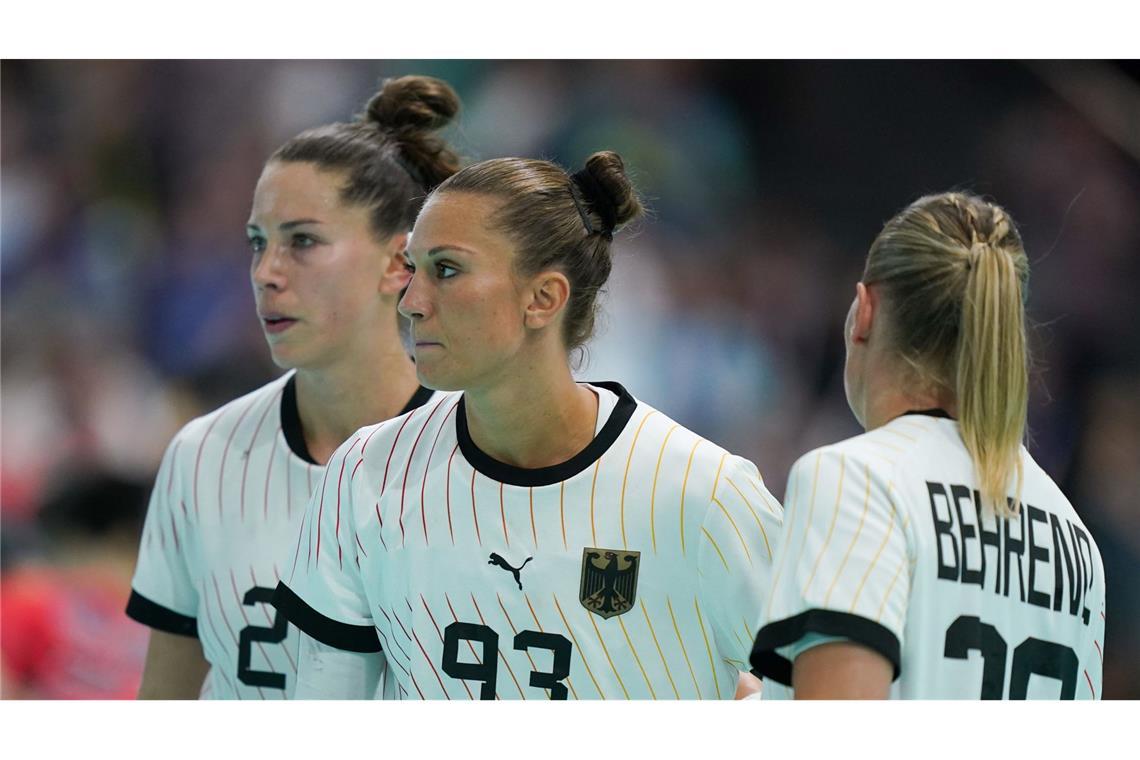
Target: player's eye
{"x":409,"y":266}
{"x":256,"y":243}
{"x":301,"y":240}
{"x":445,"y":271}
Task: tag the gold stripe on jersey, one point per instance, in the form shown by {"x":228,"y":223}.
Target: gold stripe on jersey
{"x":581,"y":652}
{"x":625,"y":477}
{"x":653,"y":493}
{"x":712,"y":665}
{"x":887,"y":593}
{"x":713,"y":542}
{"x":755,"y":516}
{"x":606,"y":652}
{"x":684,"y":651}
{"x":633,"y":650}
{"x":767,"y":502}
{"x":736,"y":528}
{"x":790,"y":531}
{"x":533,"y":529}
{"x":593,"y":489}
{"x":442,"y":641}
{"x":543,"y":630}
{"x":657,"y":643}
{"x":684,"y":485}
{"x":716,"y":480}
{"x":875,"y":559}
{"x":892,"y":431}
{"x":478,"y":659}
{"x":855,"y":538}
{"x":515,"y":632}
{"x":831,"y":527}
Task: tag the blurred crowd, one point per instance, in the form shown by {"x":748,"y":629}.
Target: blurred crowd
{"x":126,"y":304}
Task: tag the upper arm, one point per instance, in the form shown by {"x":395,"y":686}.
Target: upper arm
{"x":842,"y":568}
{"x":323,"y":593}
{"x":841,"y":670}
{"x":175,"y":667}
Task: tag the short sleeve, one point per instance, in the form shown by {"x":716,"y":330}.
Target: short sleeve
{"x":842,"y":567}
{"x":737,"y":544}
{"x":164,"y":595}
{"x":323,"y":594}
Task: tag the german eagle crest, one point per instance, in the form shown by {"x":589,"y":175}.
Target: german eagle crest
{"x":609,"y":581}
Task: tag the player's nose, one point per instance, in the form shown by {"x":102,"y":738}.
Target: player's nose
{"x":414,"y":304}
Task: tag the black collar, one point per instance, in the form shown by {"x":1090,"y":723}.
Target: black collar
{"x":544,"y":476}
{"x":929,"y":413}
{"x":291,"y":418}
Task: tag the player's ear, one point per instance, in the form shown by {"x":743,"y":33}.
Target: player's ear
{"x":864,"y":313}
{"x":396,"y":275}
{"x":545,"y":298}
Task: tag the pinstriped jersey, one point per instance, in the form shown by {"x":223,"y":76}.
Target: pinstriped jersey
{"x":231,"y":490}
{"x":886,"y":543}
{"x":635,"y":570}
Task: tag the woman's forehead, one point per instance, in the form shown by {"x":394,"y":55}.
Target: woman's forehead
{"x":457,"y":219}
{"x":286,"y":189}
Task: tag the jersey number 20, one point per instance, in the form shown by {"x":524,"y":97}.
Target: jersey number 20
{"x":1032,"y":656}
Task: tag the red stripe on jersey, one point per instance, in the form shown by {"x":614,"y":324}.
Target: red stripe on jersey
{"x":339,"y":480}
{"x":423,"y":485}
{"x":222,"y":609}
{"x":245,"y":617}
{"x":320,"y":512}
{"x":174,"y":530}
{"x":360,"y":546}
{"x":474,"y":516}
{"x":252,"y":440}
{"x":515,"y":631}
{"x":1090,"y":684}
{"x":503,"y":514}
{"x":198,"y":460}
{"x":297,"y":553}
{"x":427,"y":657}
{"x":562,"y":510}
{"x":381,"y":521}
{"x":388,"y":645}
{"x":268,"y":473}
{"x":170,"y":474}
{"x":412,"y":675}
{"x":225,"y":454}
{"x":447,"y":493}
{"x":1098,"y":650}
{"x":288,"y":481}
{"x":408,"y":468}
{"x":440,"y":634}
{"x":357,"y":467}
{"x":391,"y":451}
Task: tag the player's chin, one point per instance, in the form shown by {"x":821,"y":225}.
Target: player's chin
{"x":436,"y":374}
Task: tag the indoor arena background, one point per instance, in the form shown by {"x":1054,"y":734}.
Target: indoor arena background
{"x":127,"y":310}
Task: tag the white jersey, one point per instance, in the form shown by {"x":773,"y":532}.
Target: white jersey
{"x":226,"y":504}
{"x":885,"y":544}
{"x":634,"y":570}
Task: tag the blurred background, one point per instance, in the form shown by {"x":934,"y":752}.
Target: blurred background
{"x":127,"y":309}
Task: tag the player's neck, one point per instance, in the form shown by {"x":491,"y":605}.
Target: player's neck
{"x":537,"y":418}
{"x":885,"y":402}
{"x":334,"y":402}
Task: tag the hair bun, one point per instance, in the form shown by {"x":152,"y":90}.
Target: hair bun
{"x":608,"y":172}
{"x":416,"y":103}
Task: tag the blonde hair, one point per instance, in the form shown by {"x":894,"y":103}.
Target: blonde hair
{"x":954,"y":276}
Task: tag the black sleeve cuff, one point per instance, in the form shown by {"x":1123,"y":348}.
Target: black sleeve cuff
{"x":160,"y":618}
{"x":767,"y":662}
{"x":352,"y":638}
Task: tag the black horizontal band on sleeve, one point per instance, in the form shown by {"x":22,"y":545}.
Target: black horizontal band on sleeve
{"x":875,"y":636}
{"x":352,"y":638}
{"x":154,"y":615}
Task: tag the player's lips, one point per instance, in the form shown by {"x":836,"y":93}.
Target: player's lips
{"x":422,"y":344}
{"x":275,"y":323}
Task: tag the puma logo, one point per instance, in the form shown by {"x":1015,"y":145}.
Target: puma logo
{"x":497,"y":560}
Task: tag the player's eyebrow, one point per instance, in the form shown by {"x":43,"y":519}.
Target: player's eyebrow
{"x":285,"y":226}
{"x":442,"y":248}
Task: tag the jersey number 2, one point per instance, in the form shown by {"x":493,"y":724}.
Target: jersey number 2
{"x":1032,"y":656}
{"x":252,"y":633}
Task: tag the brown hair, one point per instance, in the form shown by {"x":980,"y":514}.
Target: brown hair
{"x":389,"y":152}
{"x":559,"y":221}
{"x":954,"y":275}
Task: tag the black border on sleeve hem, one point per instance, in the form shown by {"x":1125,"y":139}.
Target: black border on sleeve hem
{"x":154,"y":615}
{"x":352,"y":638}
{"x":861,"y":630}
